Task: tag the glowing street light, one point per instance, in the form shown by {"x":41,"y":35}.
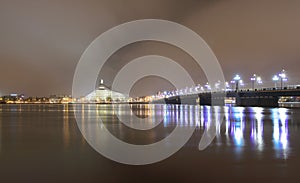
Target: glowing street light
{"x":259,"y":80}
{"x":241,"y":82}
{"x":233,"y":83}
{"x":197,"y":88}
{"x":275,"y":79}
{"x":253,"y":79}
{"x":283,"y":78}
{"x":207,"y":86}
{"x":237,"y":79}
{"x":226,"y":86}
{"x":217,"y":85}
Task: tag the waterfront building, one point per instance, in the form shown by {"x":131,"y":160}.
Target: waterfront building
{"x":103,"y":94}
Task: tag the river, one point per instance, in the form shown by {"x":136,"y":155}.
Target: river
{"x":42,"y":143}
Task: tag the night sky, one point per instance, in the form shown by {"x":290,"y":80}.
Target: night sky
{"x":42,"y":41}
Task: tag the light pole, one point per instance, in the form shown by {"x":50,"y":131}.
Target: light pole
{"x":207,"y":86}
{"x":283,"y":78}
{"x":233,"y":83}
{"x":275,"y":79}
{"x":217,"y":85}
{"x":253,"y":79}
{"x":226,"y":86}
{"x":237,"y":79}
{"x":241,"y":82}
{"x":259,"y":80}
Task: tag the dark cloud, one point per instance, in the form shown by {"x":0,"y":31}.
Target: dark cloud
{"x":41,"y":41}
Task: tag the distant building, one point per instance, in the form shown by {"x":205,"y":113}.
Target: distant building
{"x":104,"y":94}
{"x":56,"y":99}
{"x":12,"y":98}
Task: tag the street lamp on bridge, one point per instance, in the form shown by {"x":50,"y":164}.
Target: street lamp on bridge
{"x":283,"y":78}
{"x":255,"y":79}
{"x":275,"y":79}
{"x":207,"y":86}
{"x":217,"y":85}
{"x":227,"y":86}
{"x":237,"y":79}
{"x":259,"y":80}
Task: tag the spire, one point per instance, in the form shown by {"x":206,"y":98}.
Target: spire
{"x":101,"y":85}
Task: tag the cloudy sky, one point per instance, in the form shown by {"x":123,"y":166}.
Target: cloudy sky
{"x":42,"y":41}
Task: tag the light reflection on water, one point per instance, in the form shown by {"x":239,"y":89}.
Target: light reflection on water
{"x":252,"y":143}
{"x":242,"y":129}
{"x":280,"y":133}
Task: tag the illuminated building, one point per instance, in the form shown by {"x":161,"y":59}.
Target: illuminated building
{"x":104,"y":94}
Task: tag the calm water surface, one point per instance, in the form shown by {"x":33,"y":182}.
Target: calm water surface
{"x":42,"y":143}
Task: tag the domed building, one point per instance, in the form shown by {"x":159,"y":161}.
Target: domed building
{"x":103,"y":94}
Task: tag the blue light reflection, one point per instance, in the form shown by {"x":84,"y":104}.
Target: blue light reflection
{"x":280,"y":133}
{"x":242,"y":127}
{"x":258,"y":129}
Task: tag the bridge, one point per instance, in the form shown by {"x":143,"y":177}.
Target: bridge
{"x":264,"y":97}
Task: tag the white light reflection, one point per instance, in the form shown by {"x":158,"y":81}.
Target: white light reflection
{"x":217,"y":111}
{"x":239,"y":127}
{"x":152,"y":112}
{"x":197,"y":116}
{"x":280,"y":133}
{"x":186,"y":110}
{"x":227,"y":111}
{"x":258,"y":128}
{"x":181,"y":115}
{"x":202,"y":117}
{"x":165,"y":116}
{"x":238,"y":136}
{"x":207,"y":117}
{"x":191,"y":116}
